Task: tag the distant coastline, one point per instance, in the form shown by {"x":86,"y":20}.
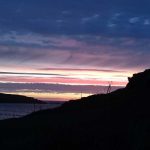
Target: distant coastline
{"x":10,"y":98}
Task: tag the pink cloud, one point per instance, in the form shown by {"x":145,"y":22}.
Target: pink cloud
{"x":59,"y":80}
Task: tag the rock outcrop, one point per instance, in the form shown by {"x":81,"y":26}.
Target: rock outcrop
{"x":139,"y":81}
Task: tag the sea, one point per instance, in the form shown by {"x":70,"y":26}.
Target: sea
{"x":16,"y":110}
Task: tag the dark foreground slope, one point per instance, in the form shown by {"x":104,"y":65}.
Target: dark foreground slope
{"x":10,"y":98}
{"x":116,"y":121}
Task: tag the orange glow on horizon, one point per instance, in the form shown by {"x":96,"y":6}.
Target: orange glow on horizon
{"x":66,"y":76}
{"x":52,"y":96}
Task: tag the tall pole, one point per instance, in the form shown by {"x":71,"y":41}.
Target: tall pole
{"x":81,"y":94}
{"x":109,"y":88}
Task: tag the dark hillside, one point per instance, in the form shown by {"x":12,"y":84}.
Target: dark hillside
{"x":116,"y":121}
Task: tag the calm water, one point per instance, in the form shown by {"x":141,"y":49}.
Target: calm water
{"x":19,"y":110}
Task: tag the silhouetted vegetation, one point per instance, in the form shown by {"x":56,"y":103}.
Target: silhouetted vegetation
{"x":116,"y":121}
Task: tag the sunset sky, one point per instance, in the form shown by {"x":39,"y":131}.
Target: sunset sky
{"x":56,"y":49}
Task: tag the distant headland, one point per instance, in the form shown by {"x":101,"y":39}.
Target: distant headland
{"x":10,"y":98}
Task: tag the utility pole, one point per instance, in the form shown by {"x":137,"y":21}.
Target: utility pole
{"x":81,"y":94}
{"x":109,"y":87}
